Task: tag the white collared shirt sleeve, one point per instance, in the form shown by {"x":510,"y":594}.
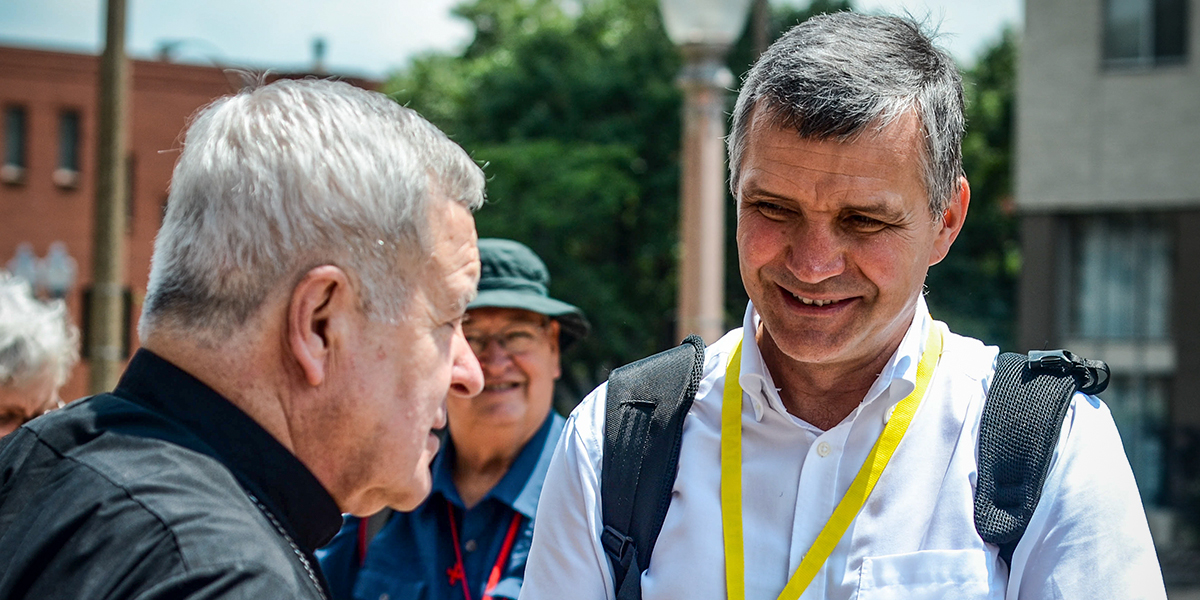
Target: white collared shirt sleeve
{"x":1088,"y":537}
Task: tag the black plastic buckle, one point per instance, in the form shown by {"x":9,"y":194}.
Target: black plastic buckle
{"x":1091,"y":375}
{"x":615,"y":543}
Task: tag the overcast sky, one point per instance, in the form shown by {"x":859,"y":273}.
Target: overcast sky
{"x":365,"y":37}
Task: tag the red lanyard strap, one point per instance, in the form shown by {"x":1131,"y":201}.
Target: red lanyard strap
{"x":458,"y":573}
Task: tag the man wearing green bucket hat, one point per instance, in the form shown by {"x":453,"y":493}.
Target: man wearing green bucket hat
{"x":471,"y":536}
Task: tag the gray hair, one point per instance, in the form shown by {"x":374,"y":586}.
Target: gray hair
{"x":37,"y":340}
{"x":835,"y":75}
{"x":278,"y":179}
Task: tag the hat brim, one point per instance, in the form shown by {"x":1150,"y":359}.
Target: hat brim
{"x":573,"y":325}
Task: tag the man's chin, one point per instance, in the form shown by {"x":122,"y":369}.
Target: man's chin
{"x":809,"y":346}
{"x":402,"y":497}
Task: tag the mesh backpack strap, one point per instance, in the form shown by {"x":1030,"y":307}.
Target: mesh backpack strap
{"x":1019,"y":429}
{"x":645,"y":407}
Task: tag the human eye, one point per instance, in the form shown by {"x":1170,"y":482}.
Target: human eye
{"x":771,"y":210}
{"x":864,"y":223}
{"x":519,"y":340}
{"x":518,"y":335}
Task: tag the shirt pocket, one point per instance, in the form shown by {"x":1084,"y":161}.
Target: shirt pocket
{"x":928,"y":574}
{"x":374,"y":586}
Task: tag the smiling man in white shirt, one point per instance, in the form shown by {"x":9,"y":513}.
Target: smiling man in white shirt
{"x":845,"y":158}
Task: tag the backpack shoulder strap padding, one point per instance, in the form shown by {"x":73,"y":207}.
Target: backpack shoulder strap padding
{"x":1018,"y":432}
{"x":645,"y":407}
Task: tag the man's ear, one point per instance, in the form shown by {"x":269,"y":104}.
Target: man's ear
{"x":553,"y":331}
{"x":322,"y":295}
{"x":951,"y":221}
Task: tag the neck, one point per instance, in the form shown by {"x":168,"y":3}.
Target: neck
{"x":223,"y":368}
{"x":821,"y":394}
{"x":476,"y":473}
{"x":483,"y":456}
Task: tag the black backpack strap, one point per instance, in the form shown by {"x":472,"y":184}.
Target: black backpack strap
{"x":1020,"y":426}
{"x":645,"y":407}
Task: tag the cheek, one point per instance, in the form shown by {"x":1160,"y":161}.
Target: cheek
{"x":758,"y":242}
{"x":538,"y":369}
{"x":892,"y":263}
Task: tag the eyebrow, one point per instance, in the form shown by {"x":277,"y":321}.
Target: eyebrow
{"x":879,"y":208}
{"x":460,"y":305}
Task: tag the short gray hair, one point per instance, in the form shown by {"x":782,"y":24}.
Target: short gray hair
{"x":38,"y":342}
{"x":835,"y":75}
{"x":281,"y":178}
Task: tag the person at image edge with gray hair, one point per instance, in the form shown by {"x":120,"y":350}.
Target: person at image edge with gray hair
{"x":301,"y":330}
{"x":38,"y":348}
{"x":845,"y":164}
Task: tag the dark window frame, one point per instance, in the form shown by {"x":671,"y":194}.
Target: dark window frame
{"x":70,"y":132}
{"x":1163,"y":35}
{"x":16,"y":144}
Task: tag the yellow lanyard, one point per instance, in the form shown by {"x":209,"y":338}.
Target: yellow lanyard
{"x":847,"y":509}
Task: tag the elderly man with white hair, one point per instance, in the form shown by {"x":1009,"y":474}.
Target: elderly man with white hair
{"x":301,"y":331}
{"x":38,"y":348}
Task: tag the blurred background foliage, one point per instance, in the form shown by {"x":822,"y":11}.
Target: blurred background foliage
{"x":572,"y":109}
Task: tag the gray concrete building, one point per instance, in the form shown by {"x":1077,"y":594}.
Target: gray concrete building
{"x":1108,"y":189}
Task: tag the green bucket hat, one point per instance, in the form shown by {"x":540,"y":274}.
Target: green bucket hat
{"x":513,"y":276}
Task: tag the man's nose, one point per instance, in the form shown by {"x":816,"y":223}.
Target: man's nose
{"x":816,"y":254}
{"x":466,"y":376}
{"x":494,"y":355}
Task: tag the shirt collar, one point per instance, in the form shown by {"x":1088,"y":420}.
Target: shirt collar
{"x":521,"y":485}
{"x":263,"y":466}
{"x":899,"y":375}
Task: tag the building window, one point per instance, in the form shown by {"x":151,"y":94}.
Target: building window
{"x":67,"y":173}
{"x":13,"y":169}
{"x":1120,"y":285}
{"x":1145,"y":32}
{"x":1122,"y":279}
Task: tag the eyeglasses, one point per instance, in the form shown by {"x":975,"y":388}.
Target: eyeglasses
{"x":518,"y":339}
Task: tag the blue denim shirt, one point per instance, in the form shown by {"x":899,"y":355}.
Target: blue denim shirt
{"x":408,"y":559}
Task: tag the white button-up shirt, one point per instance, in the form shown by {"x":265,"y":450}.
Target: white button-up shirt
{"x":914,"y":538}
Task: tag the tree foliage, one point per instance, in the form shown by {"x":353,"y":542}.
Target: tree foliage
{"x":572,"y":109}
{"x":974,"y":288}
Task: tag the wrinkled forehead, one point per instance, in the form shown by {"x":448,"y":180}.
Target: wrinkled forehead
{"x":494,"y":317}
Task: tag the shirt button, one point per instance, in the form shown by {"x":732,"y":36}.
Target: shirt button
{"x":823,"y":449}
{"x":470,"y":546}
{"x":384,"y":596}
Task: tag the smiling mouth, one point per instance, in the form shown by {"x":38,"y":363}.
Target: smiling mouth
{"x":501,"y":387}
{"x":814,"y":301}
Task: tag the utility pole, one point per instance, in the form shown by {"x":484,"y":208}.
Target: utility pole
{"x":760,"y":25}
{"x":106,"y":311}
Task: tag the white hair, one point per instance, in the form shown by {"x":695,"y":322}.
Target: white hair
{"x":37,"y":340}
{"x":281,"y":178}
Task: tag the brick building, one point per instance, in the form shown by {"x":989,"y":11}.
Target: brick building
{"x":47,"y":178}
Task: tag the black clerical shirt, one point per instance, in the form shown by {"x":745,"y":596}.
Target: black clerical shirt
{"x":161,"y":489}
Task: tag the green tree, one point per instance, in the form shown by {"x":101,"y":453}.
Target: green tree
{"x":974,"y":288}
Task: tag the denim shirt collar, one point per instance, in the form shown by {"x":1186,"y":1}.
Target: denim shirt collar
{"x":522,"y":484}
